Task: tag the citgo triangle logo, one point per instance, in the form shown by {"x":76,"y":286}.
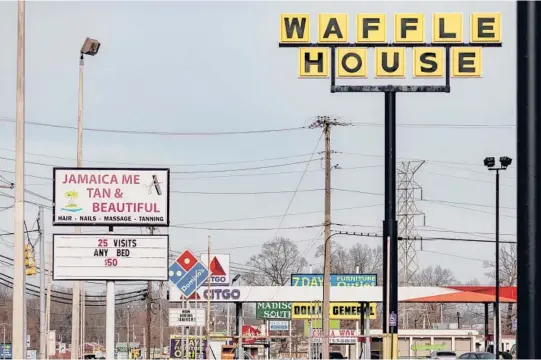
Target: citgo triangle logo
{"x":216,"y":268}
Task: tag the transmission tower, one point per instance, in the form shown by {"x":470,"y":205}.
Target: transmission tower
{"x":407,"y":187}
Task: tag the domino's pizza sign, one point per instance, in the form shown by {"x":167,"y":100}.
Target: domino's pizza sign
{"x":187,"y":273}
{"x":219,"y":269}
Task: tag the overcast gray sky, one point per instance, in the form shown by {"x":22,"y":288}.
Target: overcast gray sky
{"x":216,"y":66}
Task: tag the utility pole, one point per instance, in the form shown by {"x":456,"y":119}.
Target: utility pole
{"x":149,"y":310}
{"x":19,"y":271}
{"x":325,"y":122}
{"x":42,"y":324}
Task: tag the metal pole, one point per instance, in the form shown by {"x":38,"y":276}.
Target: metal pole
{"x":528,"y":175}
{"x":327,"y":266}
{"x":42,"y":321}
{"x":228,"y":321}
{"x":19,"y":272}
{"x":77,"y":285}
{"x":390,"y":244}
{"x":128,"y":332}
{"x":368,"y":351}
{"x":149,"y":311}
{"x":208,"y":300}
{"x":161,"y":317}
{"x":357,"y":344}
{"x":110,"y":317}
{"x":48,"y":305}
{"x":497,"y":304}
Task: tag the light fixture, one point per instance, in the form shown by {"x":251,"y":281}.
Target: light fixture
{"x":505,"y":161}
{"x":90,"y":47}
{"x":490,"y":162}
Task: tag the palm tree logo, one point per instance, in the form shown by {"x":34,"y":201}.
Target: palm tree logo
{"x":71,"y":205}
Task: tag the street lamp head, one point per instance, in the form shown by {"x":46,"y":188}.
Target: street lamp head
{"x":90,"y":47}
{"x":235,"y":278}
{"x":505,"y":161}
{"x":490,"y":162}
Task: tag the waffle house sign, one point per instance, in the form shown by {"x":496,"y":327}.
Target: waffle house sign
{"x":447,"y":53}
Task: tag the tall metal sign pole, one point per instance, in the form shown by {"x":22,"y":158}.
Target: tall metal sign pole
{"x":110,"y":197}
{"x":431,"y":60}
{"x":19,"y":272}
{"x":529,"y":176}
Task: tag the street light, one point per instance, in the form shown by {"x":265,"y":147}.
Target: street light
{"x":90,"y":47}
{"x":490,"y":163}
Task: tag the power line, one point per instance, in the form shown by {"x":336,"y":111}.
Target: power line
{"x":158,"y":164}
{"x":445,"y":126}
{"x":158,"y":133}
{"x":421,"y":238}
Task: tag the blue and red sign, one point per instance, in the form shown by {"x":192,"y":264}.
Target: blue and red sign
{"x":188,"y":273}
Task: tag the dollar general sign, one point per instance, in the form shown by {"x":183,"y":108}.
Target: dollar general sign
{"x":390,"y":57}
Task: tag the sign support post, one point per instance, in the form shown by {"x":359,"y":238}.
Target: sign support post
{"x":528,"y":193}
{"x":110,"y":316}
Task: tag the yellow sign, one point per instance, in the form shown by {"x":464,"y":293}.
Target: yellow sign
{"x":447,"y":28}
{"x":371,"y":28}
{"x":408,"y":28}
{"x":485,"y":28}
{"x":428,"y":62}
{"x":466,"y":62}
{"x":390,"y":62}
{"x":333,"y":28}
{"x":295,"y":28}
{"x":313,"y":62}
{"x":352,"y":62}
{"x":337,"y":311}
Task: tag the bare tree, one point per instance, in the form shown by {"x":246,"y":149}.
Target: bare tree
{"x":279,"y":258}
{"x":434,"y":276}
{"x":508,"y":276}
{"x":368,"y":259}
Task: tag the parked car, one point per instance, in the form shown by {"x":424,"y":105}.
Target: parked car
{"x":477,"y":355}
{"x":443,"y":355}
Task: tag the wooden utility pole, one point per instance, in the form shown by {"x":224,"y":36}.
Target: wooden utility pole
{"x":327,"y":234}
{"x":149,"y":310}
{"x":325,"y":122}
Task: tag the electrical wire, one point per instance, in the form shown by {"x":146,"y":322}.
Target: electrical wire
{"x":160,"y":133}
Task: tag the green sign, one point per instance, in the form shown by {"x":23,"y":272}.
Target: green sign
{"x":273,"y":310}
{"x":427,"y":347}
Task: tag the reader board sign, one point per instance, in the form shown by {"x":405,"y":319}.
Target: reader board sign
{"x":110,"y":257}
{"x":336,"y":279}
{"x":278,"y":325}
{"x":340,"y":336}
{"x":182,"y":317}
{"x":191,"y":348}
{"x":110,"y":197}
{"x":338,"y":311}
{"x":218,"y":268}
{"x":273,"y":310}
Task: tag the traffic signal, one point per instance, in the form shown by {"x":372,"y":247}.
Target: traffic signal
{"x":29,"y":260}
